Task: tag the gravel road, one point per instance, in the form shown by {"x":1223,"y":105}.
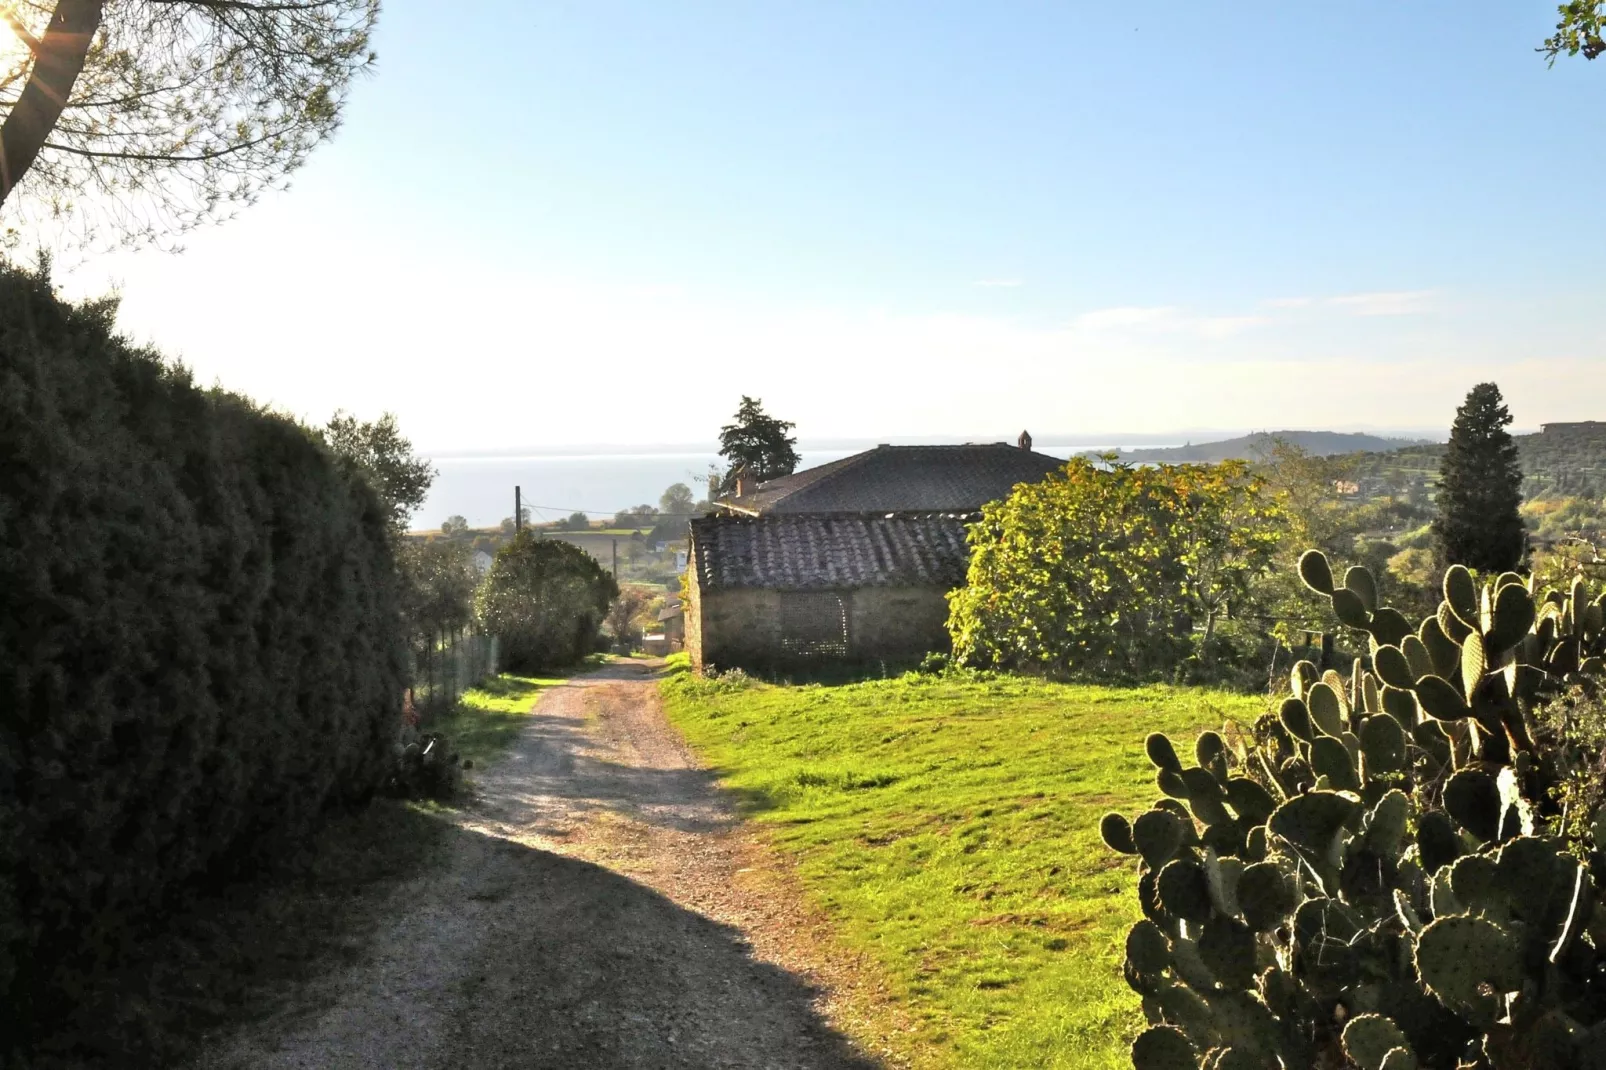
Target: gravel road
{"x":600,"y":907}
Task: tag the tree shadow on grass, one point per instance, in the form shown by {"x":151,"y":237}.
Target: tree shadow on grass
{"x":405,"y":940}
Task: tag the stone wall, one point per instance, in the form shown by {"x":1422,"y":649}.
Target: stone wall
{"x":757,"y":628}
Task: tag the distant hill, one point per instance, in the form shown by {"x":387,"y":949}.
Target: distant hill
{"x":1256,"y":446}
{"x":1563,"y":460}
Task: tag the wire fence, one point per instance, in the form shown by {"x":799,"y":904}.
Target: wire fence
{"x":445,"y":666}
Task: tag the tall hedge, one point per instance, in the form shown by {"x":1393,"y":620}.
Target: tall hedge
{"x":200,"y":644}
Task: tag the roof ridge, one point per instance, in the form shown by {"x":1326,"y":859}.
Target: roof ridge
{"x":838,"y":466}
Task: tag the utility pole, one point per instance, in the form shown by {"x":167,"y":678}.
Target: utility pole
{"x":518,"y":511}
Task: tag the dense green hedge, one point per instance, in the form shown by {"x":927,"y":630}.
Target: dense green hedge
{"x":200,"y":645}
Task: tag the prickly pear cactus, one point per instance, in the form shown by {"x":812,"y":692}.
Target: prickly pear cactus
{"x":1371,"y":878}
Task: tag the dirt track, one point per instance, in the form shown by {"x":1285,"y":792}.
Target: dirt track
{"x":600,"y":907}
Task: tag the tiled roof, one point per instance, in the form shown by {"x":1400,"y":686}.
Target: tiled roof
{"x":901,"y":479}
{"x":824,"y":552}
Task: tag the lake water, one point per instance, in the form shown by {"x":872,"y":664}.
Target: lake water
{"x":600,"y":484}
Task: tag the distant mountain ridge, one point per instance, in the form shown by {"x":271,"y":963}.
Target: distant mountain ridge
{"x":1256,"y":446}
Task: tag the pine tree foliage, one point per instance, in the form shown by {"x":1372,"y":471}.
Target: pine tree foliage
{"x":1480,"y":488}
{"x":200,"y":644}
{"x":141,"y":118}
{"x":756,"y":445}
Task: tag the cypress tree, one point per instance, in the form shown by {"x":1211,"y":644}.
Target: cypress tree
{"x":1480,"y":488}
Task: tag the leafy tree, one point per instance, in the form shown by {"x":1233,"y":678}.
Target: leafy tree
{"x":546,"y":600}
{"x":1102,"y":573}
{"x":439,"y":582}
{"x":1582,"y":29}
{"x":677,"y":502}
{"x":174,"y":111}
{"x":385,"y":457}
{"x":1480,"y":488}
{"x":508,"y":526}
{"x":453,"y":526}
{"x":642,"y":516}
{"x":577,"y":522}
{"x":758,"y":444}
{"x":622,"y":617}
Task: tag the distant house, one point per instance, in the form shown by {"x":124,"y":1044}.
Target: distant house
{"x":852,"y":560}
{"x":483,"y":560}
{"x":672,"y":619}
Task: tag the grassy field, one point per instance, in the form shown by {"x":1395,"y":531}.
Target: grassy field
{"x":947,"y":826}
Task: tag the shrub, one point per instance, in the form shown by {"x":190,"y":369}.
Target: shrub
{"x":545,"y":599}
{"x":199,"y":641}
{"x":1104,"y":573}
{"x":1381,"y":871}
{"x":427,"y":768}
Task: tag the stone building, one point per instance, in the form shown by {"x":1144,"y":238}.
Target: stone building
{"x":849,"y":561}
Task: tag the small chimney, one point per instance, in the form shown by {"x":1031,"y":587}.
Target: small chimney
{"x":741,"y":481}
{"x":1025,"y":440}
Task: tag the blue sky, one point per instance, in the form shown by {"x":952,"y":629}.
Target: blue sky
{"x":596,"y":222}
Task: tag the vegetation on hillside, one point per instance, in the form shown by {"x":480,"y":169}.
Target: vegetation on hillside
{"x":944,"y":824}
{"x":1259,"y":445}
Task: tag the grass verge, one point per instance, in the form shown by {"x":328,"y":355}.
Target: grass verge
{"x":488,"y":718}
{"x":947,"y":827}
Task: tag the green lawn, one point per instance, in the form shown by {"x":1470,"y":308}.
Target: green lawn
{"x":948,"y":827}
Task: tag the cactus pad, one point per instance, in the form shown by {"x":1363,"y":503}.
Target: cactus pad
{"x":1368,"y":1039}
{"x":1436,"y":841}
{"x":1316,"y":572}
{"x":1392,"y":666}
{"x":1326,"y":709}
{"x":1358,"y":581}
{"x":1116,"y":831}
{"x":1513,"y":616}
{"x":1461,"y":595}
{"x":1472,"y":799}
{"x":1164,"y":1047}
{"x":1349,"y":609}
{"x":1183,"y":891}
{"x":1383,"y":744}
{"x":1467,"y":964}
{"x":1160,"y":751}
{"x":1227,"y":948}
{"x":1147,"y":949}
{"x":1157,"y":834}
{"x":1266,"y":896}
{"x":1440,"y":700}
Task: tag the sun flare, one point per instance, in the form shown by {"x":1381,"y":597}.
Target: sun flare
{"x":13,"y":45}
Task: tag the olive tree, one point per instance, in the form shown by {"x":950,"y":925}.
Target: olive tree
{"x":165,"y":114}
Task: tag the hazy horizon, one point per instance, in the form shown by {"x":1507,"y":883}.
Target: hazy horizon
{"x":1194,"y":436}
